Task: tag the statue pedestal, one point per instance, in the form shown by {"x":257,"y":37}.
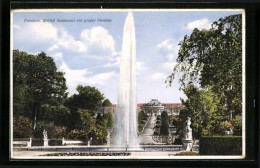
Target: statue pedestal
{"x":187,"y":144}
{"x":29,"y":144}
{"x":45,"y":142}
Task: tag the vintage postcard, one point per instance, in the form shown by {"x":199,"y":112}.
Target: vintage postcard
{"x":127,"y":84}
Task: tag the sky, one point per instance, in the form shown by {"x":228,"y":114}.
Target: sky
{"x":88,"y":50}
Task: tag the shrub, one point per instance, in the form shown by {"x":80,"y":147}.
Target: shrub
{"x":59,"y":132}
{"x":178,"y":141}
{"x":22,"y":127}
{"x":226,"y":126}
{"x":237,"y":123}
{"x":37,"y":142}
{"x":164,"y":127}
{"x":174,"y":120}
{"x":110,"y":121}
{"x":164,"y":115}
{"x":156,"y":133}
{"x":141,"y":116}
{"x":140,"y":127}
{"x":76,"y":134}
{"x":55,"y":142}
{"x":221,"y":145}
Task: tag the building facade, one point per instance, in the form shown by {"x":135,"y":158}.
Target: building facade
{"x":154,"y":106}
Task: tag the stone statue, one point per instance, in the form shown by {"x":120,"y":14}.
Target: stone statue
{"x":45,"y":136}
{"x":187,"y":140}
{"x":188,"y":130}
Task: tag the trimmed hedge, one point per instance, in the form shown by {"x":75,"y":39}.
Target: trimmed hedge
{"x":55,"y":142}
{"x":37,"y":142}
{"x":52,"y":142}
{"x":221,"y":145}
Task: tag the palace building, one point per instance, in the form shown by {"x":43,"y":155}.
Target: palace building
{"x":154,"y":106}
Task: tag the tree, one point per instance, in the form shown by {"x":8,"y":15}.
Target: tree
{"x":214,"y":58}
{"x":106,"y":103}
{"x":164,"y":123}
{"x":164,"y":115}
{"x":36,"y":81}
{"x":164,"y":127}
{"x":87,"y":121}
{"x":202,"y":106}
{"x":88,"y":98}
{"x":110,"y":120}
{"x":59,"y":114}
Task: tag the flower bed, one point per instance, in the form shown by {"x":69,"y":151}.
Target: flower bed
{"x":187,"y":154}
{"x":87,"y":154}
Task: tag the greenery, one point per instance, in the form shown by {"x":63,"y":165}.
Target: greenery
{"x":142,"y":117}
{"x":36,"y":82}
{"x":106,"y":103}
{"x":48,"y":126}
{"x":76,"y":134}
{"x":59,"y":132}
{"x":41,"y":102}
{"x":88,"y":98}
{"x":164,"y":130}
{"x":221,"y":145}
{"x":237,"y":125}
{"x":203,"y":107}
{"x":174,"y":120}
{"x":22,"y":127}
{"x":209,"y":66}
{"x":110,"y":120}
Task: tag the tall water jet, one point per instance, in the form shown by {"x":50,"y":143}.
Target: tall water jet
{"x":125,"y":129}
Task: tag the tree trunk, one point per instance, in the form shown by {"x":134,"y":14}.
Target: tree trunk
{"x":35,"y":118}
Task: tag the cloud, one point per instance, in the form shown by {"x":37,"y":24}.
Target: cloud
{"x":199,"y":24}
{"x":16,"y":26}
{"x":169,"y":48}
{"x":98,"y":42}
{"x":113,"y":63}
{"x":158,"y":76}
{"x":95,"y":42}
{"x":140,"y":67}
{"x":84,"y":77}
{"x":34,"y":35}
{"x":67,"y":42}
{"x":101,"y":78}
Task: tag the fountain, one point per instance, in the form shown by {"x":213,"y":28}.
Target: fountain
{"x":125,"y":128}
{"x":187,"y":140}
